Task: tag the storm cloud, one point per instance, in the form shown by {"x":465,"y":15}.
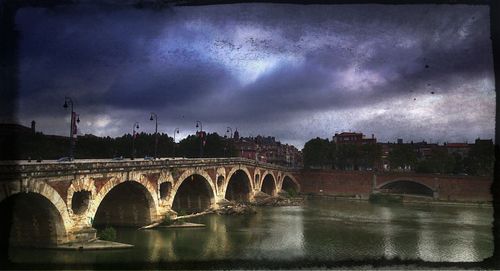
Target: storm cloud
{"x":290,"y":71}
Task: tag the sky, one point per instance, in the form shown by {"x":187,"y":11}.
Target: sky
{"x":419,"y":72}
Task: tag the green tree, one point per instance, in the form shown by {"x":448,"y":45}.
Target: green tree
{"x":370,"y":155}
{"x":439,"y":162}
{"x":481,"y":159}
{"x":401,"y":156}
{"x":317,"y":153}
{"x":347,"y":156}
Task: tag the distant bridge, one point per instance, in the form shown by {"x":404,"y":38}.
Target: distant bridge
{"x":52,"y":203}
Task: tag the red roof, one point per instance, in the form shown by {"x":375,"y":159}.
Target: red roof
{"x":457,"y":145}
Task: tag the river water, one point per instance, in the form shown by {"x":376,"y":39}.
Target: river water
{"x":322,"y":229}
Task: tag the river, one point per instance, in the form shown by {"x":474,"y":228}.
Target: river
{"x":322,"y":229}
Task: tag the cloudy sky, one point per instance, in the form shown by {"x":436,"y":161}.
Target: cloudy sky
{"x":290,"y":71}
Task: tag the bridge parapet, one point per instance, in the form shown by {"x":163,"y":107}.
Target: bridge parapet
{"x":23,"y":169}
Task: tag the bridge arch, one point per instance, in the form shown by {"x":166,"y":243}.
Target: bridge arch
{"x":79,"y":196}
{"x":406,"y":186}
{"x":125,"y":202}
{"x":268,"y":184}
{"x":33,"y":214}
{"x":194,"y":191}
{"x":239,"y":185}
{"x":256,"y":177}
{"x":220,"y":178}
{"x":165,"y":185}
{"x":289,"y":182}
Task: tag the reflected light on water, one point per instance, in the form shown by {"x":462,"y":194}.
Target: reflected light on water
{"x":385,"y":214}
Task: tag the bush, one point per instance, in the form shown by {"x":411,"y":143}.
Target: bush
{"x":108,"y":234}
{"x":385,"y":199}
{"x":291,"y":192}
{"x":168,"y":220}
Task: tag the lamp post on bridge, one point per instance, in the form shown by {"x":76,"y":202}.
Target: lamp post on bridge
{"x":176,"y":130}
{"x":75,"y":118}
{"x":200,"y":135}
{"x":230,"y":137}
{"x":134,"y":134}
{"x":156,"y":131}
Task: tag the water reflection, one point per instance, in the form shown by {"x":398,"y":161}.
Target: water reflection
{"x":323,"y":229}
{"x":385,"y":213}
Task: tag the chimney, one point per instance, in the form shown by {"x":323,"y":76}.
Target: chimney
{"x":33,"y":126}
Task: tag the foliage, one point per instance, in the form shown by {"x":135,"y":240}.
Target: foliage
{"x":317,"y":153}
{"x":401,"y":156}
{"x":291,"y":192}
{"x":385,"y":199}
{"x":108,"y":234}
{"x":167,"y":220}
{"x":439,"y":162}
{"x":40,"y":146}
{"x":481,"y":160}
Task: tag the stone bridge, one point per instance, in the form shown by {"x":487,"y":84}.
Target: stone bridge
{"x":51,"y":203}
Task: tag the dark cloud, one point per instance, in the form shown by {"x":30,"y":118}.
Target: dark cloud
{"x":285,"y":70}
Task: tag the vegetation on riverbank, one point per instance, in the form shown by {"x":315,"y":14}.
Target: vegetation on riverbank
{"x":385,"y":199}
{"x":108,"y":234}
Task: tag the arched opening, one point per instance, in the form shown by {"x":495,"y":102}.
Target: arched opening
{"x":238,"y":187}
{"x":220,"y":182}
{"x":194,"y":195}
{"x":407,"y":188}
{"x":289,"y":186}
{"x":268,"y":185}
{"x":80,"y":202}
{"x":127,"y":204}
{"x":165,"y":189}
{"x":30,"y":220}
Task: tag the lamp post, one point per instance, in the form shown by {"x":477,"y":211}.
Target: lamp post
{"x":156,"y":131}
{"x":200,"y":135}
{"x":230,"y":134}
{"x":136,"y":126}
{"x":176,"y":130}
{"x":72,"y":127}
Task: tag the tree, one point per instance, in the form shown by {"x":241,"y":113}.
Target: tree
{"x":402,"y":156}
{"x":317,"y":153}
{"x":481,"y":159}
{"x":370,"y":155}
{"x":347,"y":156}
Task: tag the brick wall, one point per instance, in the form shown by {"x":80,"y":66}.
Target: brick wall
{"x":352,"y":183}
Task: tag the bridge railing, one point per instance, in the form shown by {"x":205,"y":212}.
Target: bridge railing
{"x":23,"y":169}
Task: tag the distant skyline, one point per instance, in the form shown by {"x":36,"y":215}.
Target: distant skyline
{"x":295,"y":72}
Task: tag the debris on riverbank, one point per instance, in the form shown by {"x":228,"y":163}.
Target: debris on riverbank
{"x":263,"y":199}
{"x":182,"y":224}
{"x":235,"y":209}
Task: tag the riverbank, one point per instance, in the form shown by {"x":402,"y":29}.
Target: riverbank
{"x":408,"y":201}
{"x":95,"y":244}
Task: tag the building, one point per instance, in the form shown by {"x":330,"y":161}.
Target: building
{"x":461,"y":149}
{"x":353,"y":138}
{"x":268,"y":150}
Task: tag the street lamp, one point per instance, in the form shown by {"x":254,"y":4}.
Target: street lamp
{"x":227,"y":131}
{"x":136,"y":126}
{"x":156,"y":131}
{"x":72,"y":127}
{"x":200,"y":125}
{"x":176,"y":130}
